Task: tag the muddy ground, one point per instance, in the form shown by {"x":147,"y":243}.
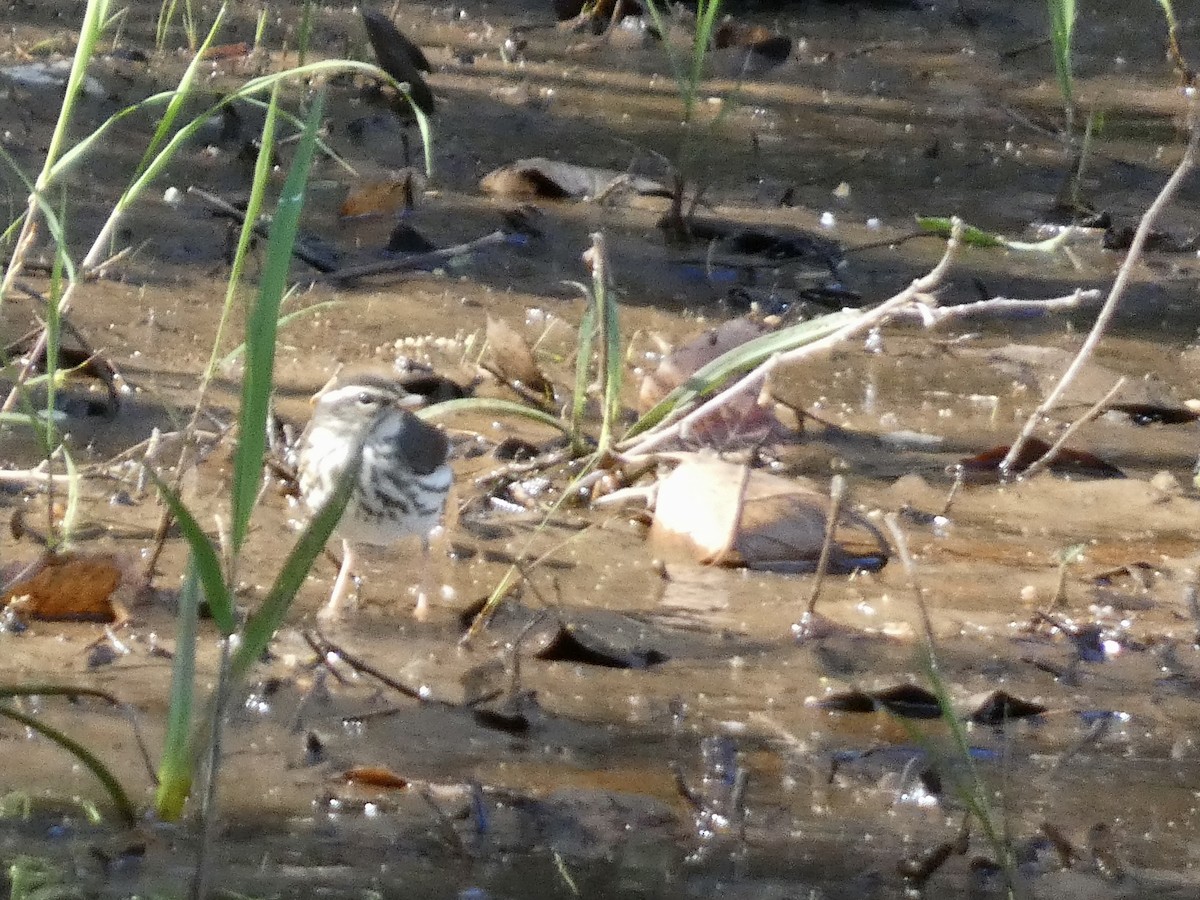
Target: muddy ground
{"x":566,"y":783}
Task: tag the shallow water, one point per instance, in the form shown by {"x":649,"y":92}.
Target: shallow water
{"x":916,"y":113}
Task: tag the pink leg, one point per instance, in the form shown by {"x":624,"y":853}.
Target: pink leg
{"x":343,"y":588}
{"x":426,"y":588}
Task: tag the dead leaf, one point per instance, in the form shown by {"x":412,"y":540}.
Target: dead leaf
{"x":908,"y":701}
{"x":743,"y":419}
{"x":764,"y":49}
{"x":375,"y":776}
{"x":726,"y":514}
{"x":227,"y":51}
{"x":388,"y":197}
{"x":1000,"y":707}
{"x":986,"y":466}
{"x":73,"y":587}
{"x":567,"y":644}
{"x":553,"y":180}
{"x":513,"y":358}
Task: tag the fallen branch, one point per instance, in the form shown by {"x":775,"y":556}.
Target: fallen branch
{"x":1110,"y":305}
{"x":753,"y":381}
{"x":933,"y":316}
{"x":1095,"y":412}
{"x":414,"y":260}
{"x":261,"y":228}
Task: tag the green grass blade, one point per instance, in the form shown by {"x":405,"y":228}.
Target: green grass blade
{"x":608,"y":326}
{"x":491,"y":406}
{"x":204,"y":555}
{"x":90,"y":761}
{"x":180,"y":94}
{"x":1062,"y":30}
{"x":89,"y":34}
{"x":261,"y":331}
{"x":258,"y":190}
{"x":738,"y":361}
{"x":426,"y":129}
{"x":261,"y":626}
{"x":583,"y":362}
{"x":175,"y":773}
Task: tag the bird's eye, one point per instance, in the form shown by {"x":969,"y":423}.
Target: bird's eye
{"x":366,"y":399}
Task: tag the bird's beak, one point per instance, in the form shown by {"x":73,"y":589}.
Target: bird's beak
{"x":411,"y":402}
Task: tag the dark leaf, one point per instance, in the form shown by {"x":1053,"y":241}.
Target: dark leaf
{"x":1000,"y":707}
{"x":406,"y":239}
{"x":565,"y":645}
{"x":848,"y":702}
{"x":1151,"y":414}
{"x":986,"y":466}
{"x":909,"y":701}
{"x":505,"y":721}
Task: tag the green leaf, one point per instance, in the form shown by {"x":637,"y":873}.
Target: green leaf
{"x":90,"y":761}
{"x":262,"y":625}
{"x":972,"y":236}
{"x":204,"y":556}
{"x":261,"y":330}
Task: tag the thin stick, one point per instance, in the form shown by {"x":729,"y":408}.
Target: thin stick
{"x":1110,"y":305}
{"x":910,"y":570}
{"x":24,"y":476}
{"x":931,"y":317}
{"x":261,"y":228}
{"x":753,"y":380}
{"x":837,"y":496}
{"x":1095,"y":412}
{"x":415,"y":260}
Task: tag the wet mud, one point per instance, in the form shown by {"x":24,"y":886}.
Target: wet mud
{"x":632,"y":724}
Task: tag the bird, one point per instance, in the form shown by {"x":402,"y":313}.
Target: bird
{"x":400,"y":58}
{"x":404,"y":477}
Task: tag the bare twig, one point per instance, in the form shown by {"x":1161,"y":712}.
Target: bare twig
{"x":910,"y":570}
{"x":415,"y":260}
{"x":837,"y":496}
{"x":1095,"y":412}
{"x":931,"y":317}
{"x":35,"y":476}
{"x":1110,"y":305}
{"x":261,"y":228}
{"x":752,"y":381}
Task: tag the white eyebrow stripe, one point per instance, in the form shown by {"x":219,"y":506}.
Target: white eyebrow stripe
{"x":350,"y":391}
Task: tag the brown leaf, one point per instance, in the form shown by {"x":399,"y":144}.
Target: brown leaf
{"x":555,"y":180}
{"x":512,"y":357}
{"x":726,"y":514}
{"x":72,"y":586}
{"x":985,"y":466}
{"x":375,"y":776}
{"x":388,"y":197}
{"x":228,"y":51}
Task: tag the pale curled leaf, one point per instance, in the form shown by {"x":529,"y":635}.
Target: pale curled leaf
{"x":726,"y":514}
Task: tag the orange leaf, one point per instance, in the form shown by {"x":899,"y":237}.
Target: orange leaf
{"x":375,"y":776}
{"x":72,"y":586}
